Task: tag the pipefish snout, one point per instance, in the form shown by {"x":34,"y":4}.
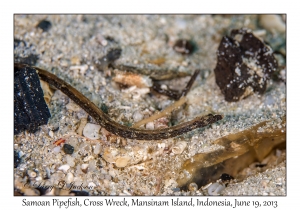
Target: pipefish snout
{"x":120,"y":130}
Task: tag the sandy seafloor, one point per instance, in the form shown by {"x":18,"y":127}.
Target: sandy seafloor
{"x":69,"y":50}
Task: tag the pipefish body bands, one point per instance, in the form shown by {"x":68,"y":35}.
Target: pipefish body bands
{"x":120,"y":130}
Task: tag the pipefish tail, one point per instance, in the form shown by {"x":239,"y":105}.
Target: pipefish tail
{"x":110,"y":125}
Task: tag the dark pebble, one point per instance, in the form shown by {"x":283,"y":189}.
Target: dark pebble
{"x":17,"y":159}
{"x":184,"y":46}
{"x":68,"y":149}
{"x":244,"y":65}
{"x":45,"y":25}
{"x":104,"y":108}
{"x":30,"y":108}
{"x":80,"y":193}
{"x":226,"y":177}
{"x":114,"y":54}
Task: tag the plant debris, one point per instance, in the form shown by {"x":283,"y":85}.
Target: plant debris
{"x":45,"y":25}
{"x":244,"y":65}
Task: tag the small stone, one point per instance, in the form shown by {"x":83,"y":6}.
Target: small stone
{"x":72,"y":106}
{"x":64,"y":63}
{"x":51,"y":134}
{"x":264,"y":182}
{"x":48,"y":173}
{"x":123,"y":142}
{"x":38,"y":179}
{"x":137,"y":116}
{"x":21,"y":154}
{"x":69,"y":177}
{"x":122,"y":161}
{"x":75,"y":60}
{"x":30,"y":108}
{"x":193,"y":187}
{"x":45,"y":25}
{"x":113,"y":54}
{"x":97,"y":149}
{"x":278,"y":153}
{"x":161,"y":145}
{"x":92,"y":185}
{"x":150,"y":126}
{"x":103,"y":42}
{"x":179,"y":147}
{"x":31,"y":174}
{"x":269,"y":101}
{"x":104,"y":108}
{"x":64,"y":168}
{"x":70,"y":161}
{"x":84,"y":168}
{"x":184,"y":46}
{"x":215,"y":189}
{"x":91,"y":131}
{"x":273,"y":23}
{"x":110,"y":154}
{"x":106,"y":183}
{"x":112,"y":173}
{"x":92,"y":165}
{"x":56,"y":149}
{"x":82,"y":124}
{"x":73,"y":142}
{"x":68,"y":149}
